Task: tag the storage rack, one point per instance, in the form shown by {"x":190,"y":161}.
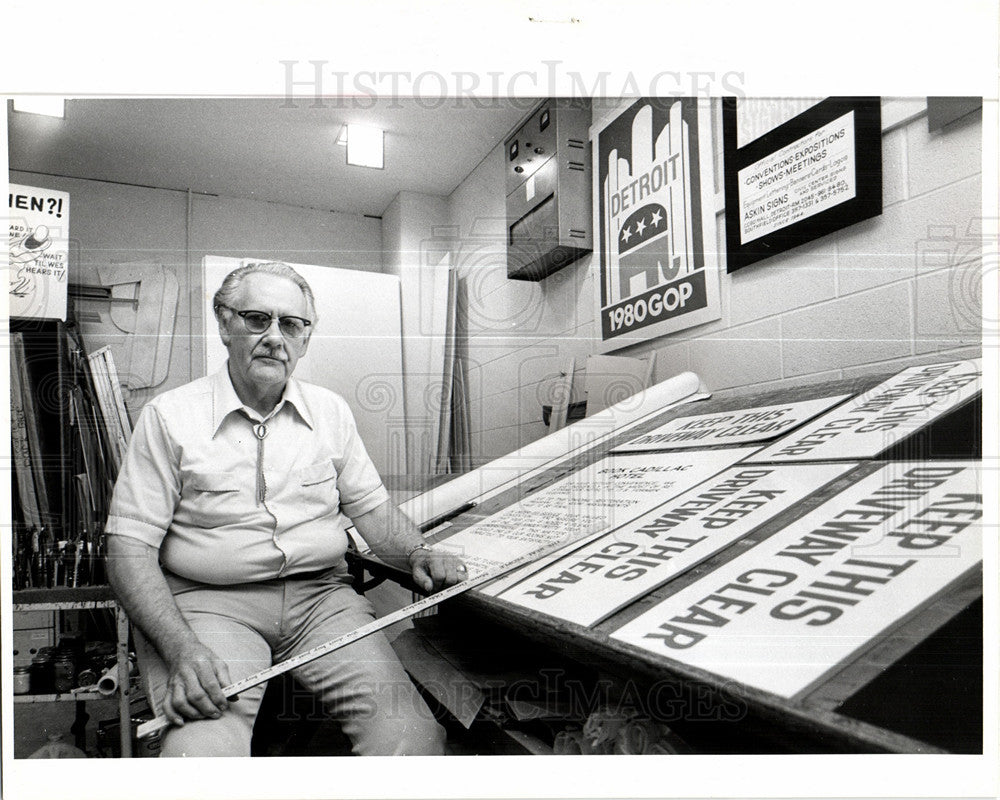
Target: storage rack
{"x":88,"y":598}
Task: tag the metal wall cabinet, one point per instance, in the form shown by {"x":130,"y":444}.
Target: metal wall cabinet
{"x":548,"y":184}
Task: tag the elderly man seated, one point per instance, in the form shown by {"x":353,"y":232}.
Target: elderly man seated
{"x":227,"y":533}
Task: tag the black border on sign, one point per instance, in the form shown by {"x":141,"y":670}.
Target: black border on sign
{"x":866,"y":203}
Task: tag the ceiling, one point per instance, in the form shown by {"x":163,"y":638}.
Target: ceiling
{"x":258,"y":148}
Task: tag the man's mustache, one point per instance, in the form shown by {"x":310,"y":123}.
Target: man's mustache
{"x":278,"y":355}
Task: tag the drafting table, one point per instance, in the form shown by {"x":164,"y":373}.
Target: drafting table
{"x":916,"y":688}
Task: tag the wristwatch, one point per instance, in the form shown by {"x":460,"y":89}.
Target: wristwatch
{"x":421,"y":546}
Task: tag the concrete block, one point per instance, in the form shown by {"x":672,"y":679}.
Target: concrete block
{"x":474,"y":380}
{"x":899,"y":364}
{"x":494,"y":443}
{"x":671,"y":360}
{"x":530,"y":400}
{"x":496,"y":410}
{"x":947,"y":309}
{"x":476,"y":408}
{"x":725,"y":280}
{"x":483,"y":349}
{"x":919,"y":233}
{"x":492,"y":303}
{"x":938,"y":159}
{"x":859,"y":329}
{"x":786,"y":383}
{"x":747,"y":354}
{"x":577,"y":343}
{"x":790,"y":280}
{"x":894,"y":183}
{"x":518,"y":368}
{"x":567,"y":298}
{"x":532,"y":432}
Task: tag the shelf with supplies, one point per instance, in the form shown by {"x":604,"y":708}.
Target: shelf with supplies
{"x":87,"y":598}
{"x":64,"y":697}
{"x":69,"y":429}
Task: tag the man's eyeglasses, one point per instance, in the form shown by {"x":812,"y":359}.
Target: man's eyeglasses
{"x":260,"y":321}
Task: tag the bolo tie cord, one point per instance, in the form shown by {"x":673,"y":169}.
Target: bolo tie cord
{"x":260,"y":431}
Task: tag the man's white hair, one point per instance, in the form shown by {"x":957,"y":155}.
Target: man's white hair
{"x":231,"y":283}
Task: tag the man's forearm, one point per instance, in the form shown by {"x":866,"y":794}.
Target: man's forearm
{"x":135,"y":575}
{"x":390,"y":533}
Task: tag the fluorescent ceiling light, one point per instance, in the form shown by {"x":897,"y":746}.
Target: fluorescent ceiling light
{"x":39,"y":104}
{"x":365,"y":146}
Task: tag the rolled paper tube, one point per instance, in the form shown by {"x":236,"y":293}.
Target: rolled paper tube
{"x":108,"y":682}
{"x":534,"y":457}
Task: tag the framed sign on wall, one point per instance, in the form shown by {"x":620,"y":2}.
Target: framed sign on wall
{"x":813,"y":174}
{"x":657,"y":266}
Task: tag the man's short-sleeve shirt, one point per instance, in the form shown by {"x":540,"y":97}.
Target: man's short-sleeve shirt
{"x":226,"y":506}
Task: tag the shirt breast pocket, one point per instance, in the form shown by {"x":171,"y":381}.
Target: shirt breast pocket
{"x":316,"y":487}
{"x":216,"y":498}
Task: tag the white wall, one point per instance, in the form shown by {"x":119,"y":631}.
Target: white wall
{"x":112,"y":223}
{"x":413,"y":245}
{"x":519,"y":332}
{"x":888,"y":292}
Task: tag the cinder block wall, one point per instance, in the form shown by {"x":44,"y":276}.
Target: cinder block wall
{"x":890,"y":291}
{"x":899,"y":289}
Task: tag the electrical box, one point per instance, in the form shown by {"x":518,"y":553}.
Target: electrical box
{"x":549,"y":223}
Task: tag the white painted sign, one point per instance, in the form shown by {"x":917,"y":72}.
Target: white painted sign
{"x":791,"y":610}
{"x":731,"y":427}
{"x":597,"y":498}
{"x":598,"y":579}
{"x":877,"y":419}
{"x":808,"y":176}
{"x":38,"y":243}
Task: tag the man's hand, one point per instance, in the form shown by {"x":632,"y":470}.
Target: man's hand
{"x":391,"y":534}
{"x":194,"y":688}
{"x":435,"y":569}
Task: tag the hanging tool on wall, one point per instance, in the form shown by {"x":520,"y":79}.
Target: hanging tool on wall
{"x":132,"y":311}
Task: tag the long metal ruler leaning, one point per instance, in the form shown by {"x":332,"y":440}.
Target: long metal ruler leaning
{"x":161,"y":722}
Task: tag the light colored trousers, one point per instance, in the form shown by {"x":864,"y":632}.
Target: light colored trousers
{"x":252,"y":626}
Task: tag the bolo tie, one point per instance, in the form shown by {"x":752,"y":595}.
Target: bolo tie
{"x":260,"y":431}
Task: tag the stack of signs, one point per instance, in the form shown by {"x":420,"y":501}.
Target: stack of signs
{"x":874,"y":421}
{"x":731,"y":427}
{"x":788,"y":610}
{"x":596,"y":580}
{"x":791,"y":610}
{"x":593,"y":500}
